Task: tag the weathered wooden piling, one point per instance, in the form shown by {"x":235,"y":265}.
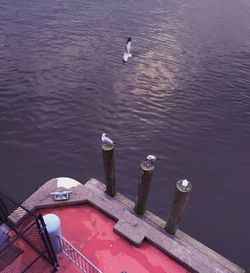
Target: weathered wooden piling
{"x":182,"y":194}
{"x":146,"y":172}
{"x":109,"y":168}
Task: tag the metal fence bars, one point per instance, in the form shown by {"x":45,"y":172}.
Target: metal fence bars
{"x":27,"y":251}
{"x":25,"y":248}
{"x":83,"y":263}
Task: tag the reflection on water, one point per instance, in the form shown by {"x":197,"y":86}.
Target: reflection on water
{"x":183,"y":96}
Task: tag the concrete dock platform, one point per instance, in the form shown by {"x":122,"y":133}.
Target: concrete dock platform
{"x":184,"y":249}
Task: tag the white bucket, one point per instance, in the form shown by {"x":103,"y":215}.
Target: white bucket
{"x":53,"y":225}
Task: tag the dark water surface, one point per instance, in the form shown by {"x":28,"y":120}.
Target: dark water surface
{"x":184,"y":96}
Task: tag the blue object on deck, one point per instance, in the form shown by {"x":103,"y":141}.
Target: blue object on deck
{"x":53,"y":225}
{"x":3,"y":233}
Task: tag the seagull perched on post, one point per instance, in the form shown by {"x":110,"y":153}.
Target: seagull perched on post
{"x":127,"y":54}
{"x":185,"y":183}
{"x":150,"y":160}
{"x":106,"y":140}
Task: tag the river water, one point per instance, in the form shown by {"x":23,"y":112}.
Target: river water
{"x":184,"y":96}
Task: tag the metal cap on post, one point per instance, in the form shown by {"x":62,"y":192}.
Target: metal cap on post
{"x":182,"y":194}
{"x":109,"y":164}
{"x":146,"y":172}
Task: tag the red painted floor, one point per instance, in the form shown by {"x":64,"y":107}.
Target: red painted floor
{"x":91,"y":232}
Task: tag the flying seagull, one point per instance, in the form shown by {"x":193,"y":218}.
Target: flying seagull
{"x":106,"y":140}
{"x":127,"y":54}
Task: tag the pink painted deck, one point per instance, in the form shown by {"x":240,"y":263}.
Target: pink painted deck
{"x":91,"y":233}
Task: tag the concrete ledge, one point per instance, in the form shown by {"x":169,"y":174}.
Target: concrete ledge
{"x":131,"y":228}
{"x":189,"y":252}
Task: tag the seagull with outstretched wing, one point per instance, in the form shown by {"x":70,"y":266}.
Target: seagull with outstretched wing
{"x":127,"y":54}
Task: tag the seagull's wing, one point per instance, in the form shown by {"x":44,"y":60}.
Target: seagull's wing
{"x":128,"y":47}
{"x":125,"y":56}
{"x":107,"y":140}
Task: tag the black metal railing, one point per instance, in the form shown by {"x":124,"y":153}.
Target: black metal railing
{"x":25,"y":248}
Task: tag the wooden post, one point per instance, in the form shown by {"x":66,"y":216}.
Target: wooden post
{"x":182,"y":194}
{"x":146,"y":172}
{"x":109,"y":168}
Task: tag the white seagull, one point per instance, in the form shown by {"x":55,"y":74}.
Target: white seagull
{"x":151,"y":159}
{"x":106,"y":140}
{"x":185,"y":182}
{"x":127,"y":54}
